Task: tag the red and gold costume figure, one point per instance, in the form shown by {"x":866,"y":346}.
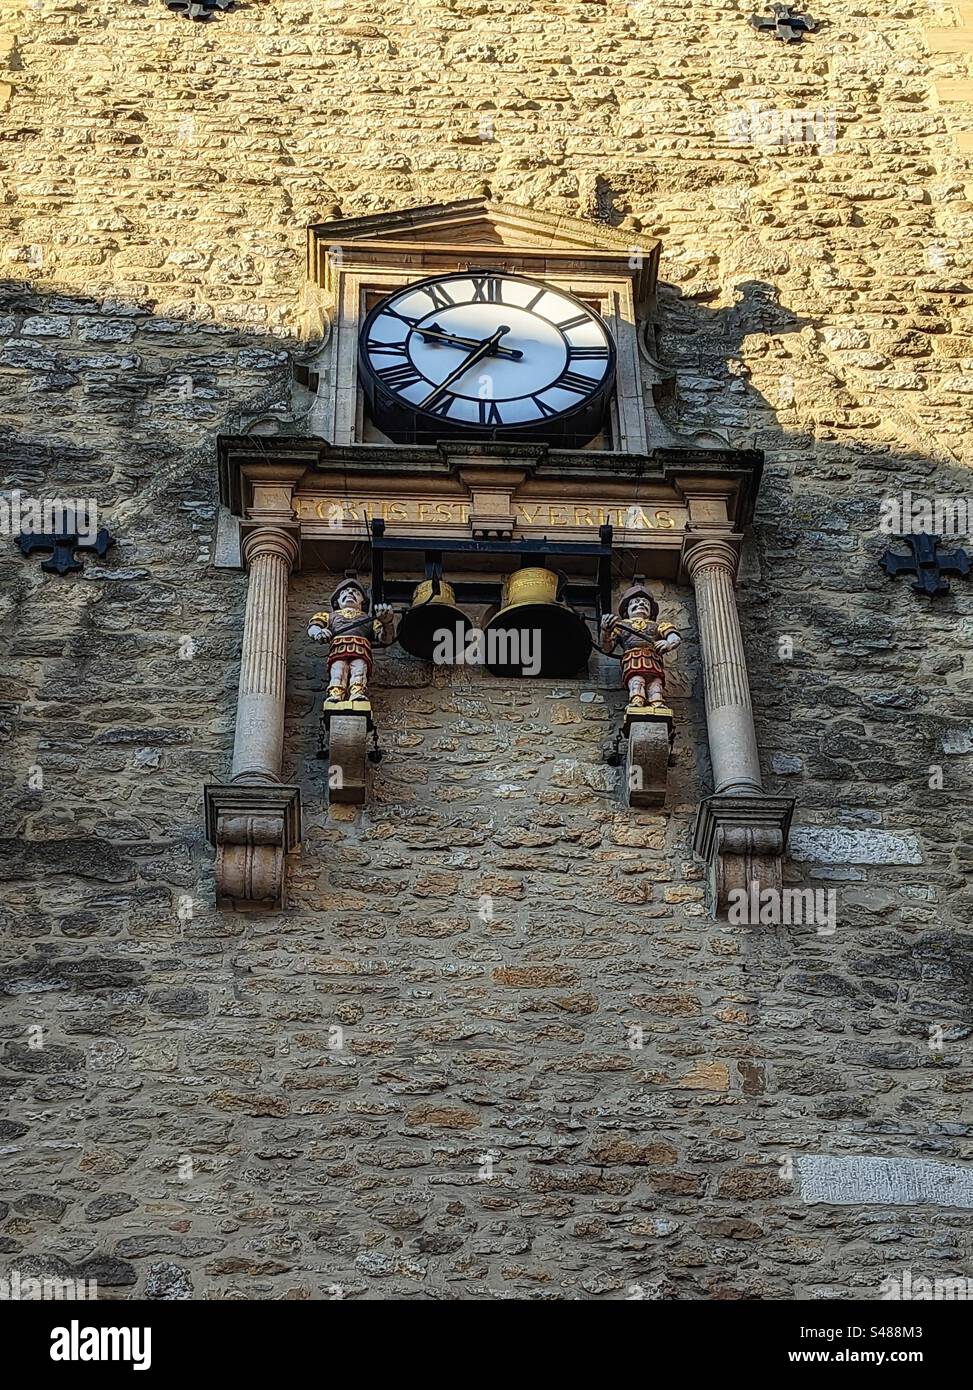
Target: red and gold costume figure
{"x":351,"y":630}
{"x":633,"y":634}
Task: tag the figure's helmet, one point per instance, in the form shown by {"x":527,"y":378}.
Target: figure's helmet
{"x":637,"y":590}
{"x":350,"y":582}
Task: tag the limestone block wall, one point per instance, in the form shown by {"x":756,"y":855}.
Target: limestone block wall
{"x":492,"y":958}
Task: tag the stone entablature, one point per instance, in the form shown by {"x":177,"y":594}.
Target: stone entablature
{"x":659,"y":505}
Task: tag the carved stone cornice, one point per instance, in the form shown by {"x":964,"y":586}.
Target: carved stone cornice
{"x":730,"y":473}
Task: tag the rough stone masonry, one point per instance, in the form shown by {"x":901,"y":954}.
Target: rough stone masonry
{"x":496,"y":1048}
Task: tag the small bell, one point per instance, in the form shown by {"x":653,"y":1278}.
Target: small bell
{"x":431,"y":614}
{"x":536,"y":632}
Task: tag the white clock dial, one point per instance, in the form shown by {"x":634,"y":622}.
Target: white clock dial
{"x":487,"y":351}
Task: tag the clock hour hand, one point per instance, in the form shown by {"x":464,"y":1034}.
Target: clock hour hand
{"x":481,"y":350}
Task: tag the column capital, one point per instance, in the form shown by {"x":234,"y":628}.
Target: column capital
{"x":711,"y":554}
{"x":272,"y":540}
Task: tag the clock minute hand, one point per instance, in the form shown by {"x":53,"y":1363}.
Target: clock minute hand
{"x":483,"y":349}
{"x":440,"y":336}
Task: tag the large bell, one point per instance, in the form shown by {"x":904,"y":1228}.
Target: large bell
{"x":535,"y":632}
{"x":431,"y":615}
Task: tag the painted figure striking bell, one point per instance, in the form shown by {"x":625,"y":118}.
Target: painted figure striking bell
{"x":634,"y":635}
{"x":351,"y":630}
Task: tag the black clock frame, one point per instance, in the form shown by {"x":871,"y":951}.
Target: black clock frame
{"x":407,"y":424}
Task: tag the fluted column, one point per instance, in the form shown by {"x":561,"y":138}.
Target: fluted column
{"x":270,"y":555}
{"x":741,"y":832}
{"x":253,"y":820}
{"x":729,"y":714}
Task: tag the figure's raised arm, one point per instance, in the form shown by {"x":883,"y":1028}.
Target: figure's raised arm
{"x":384,"y":616}
{"x":319,"y":628}
{"x":669,"y":638}
{"x":608,"y":635}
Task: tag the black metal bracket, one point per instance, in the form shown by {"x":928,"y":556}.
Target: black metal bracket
{"x":198,"y":9}
{"x":927,"y":563}
{"x":596,"y":595}
{"x":784,"y":23}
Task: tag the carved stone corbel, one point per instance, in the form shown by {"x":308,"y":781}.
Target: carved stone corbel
{"x":491,"y":500}
{"x":347,"y":755}
{"x":254,"y":828}
{"x":647,"y":759}
{"x":742,"y":840}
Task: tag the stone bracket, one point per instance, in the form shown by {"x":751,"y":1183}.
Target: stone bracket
{"x":650,"y":734}
{"x":742,"y":840}
{"x":348,"y":727}
{"x":254,"y":827}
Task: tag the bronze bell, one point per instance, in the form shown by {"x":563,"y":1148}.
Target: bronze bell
{"x":536,"y":632}
{"x":432,"y":612}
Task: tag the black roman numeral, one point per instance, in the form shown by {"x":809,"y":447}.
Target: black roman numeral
{"x":399,"y":376}
{"x":537,"y":299}
{"x":440,"y":298}
{"x":442,"y":407}
{"x":543,"y":407}
{"x":489,"y":413}
{"x":576,"y":322}
{"x":377,"y":348}
{"x":487,"y":290}
{"x":587,"y":354}
{"x":573,"y":381}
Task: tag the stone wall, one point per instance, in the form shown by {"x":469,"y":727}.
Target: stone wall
{"x":518,"y":967}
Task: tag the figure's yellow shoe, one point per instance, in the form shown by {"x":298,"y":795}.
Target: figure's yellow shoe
{"x":637,"y":701}
{"x":336,"y":694}
{"x":358,"y":691}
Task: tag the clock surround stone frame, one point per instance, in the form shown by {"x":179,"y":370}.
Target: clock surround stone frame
{"x":348,"y":259}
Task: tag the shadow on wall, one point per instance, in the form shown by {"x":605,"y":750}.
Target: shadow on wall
{"x":859,"y":684}
{"x":201,"y":1040}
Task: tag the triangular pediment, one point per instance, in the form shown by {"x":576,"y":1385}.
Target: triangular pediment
{"x":480,"y":226}
{"x":479,"y":221}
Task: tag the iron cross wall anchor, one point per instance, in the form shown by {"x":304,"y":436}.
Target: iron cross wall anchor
{"x":928,"y":567}
{"x":786,"y":24}
{"x":197,"y":9}
{"x":63,"y":545}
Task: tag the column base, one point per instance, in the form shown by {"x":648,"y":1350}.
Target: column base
{"x":742,"y":840}
{"x":254,"y":827}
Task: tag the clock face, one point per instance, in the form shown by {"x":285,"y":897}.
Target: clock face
{"x":486,"y":353}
